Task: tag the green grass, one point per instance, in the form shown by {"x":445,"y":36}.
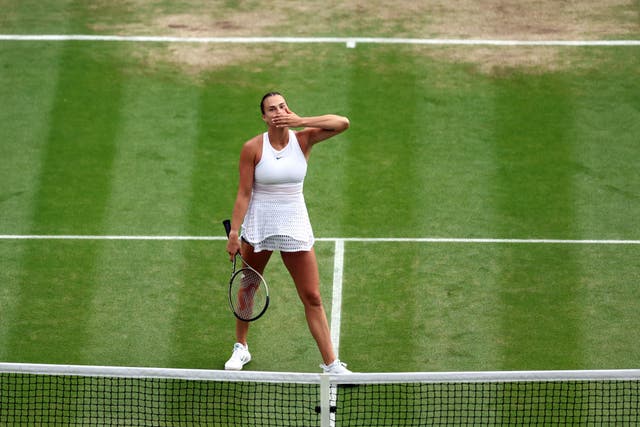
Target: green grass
{"x":469,"y":307}
{"x":99,"y":140}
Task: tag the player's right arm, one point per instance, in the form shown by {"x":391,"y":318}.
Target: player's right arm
{"x":249,"y":157}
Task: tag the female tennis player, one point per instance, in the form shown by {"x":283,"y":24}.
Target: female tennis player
{"x":270,"y":207}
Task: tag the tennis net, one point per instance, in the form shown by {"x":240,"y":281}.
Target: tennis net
{"x":33,"y":394}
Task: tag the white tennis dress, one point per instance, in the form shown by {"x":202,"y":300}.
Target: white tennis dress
{"x":277,"y":217}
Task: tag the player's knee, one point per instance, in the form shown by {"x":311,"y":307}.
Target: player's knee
{"x":312,"y":299}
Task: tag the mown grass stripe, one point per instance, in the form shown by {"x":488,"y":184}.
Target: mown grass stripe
{"x":73,"y":186}
{"x":150,"y":149}
{"x":29,"y":96}
{"x":533,"y":148}
{"x":198,"y":303}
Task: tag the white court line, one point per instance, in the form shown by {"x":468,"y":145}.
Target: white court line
{"x":349,"y":41}
{"x":332,"y":239}
{"x":336,"y":320}
{"x":488,"y":240}
{"x":95,"y":237}
{"x":336,"y":303}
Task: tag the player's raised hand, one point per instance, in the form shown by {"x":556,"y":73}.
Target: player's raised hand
{"x":289,"y":119}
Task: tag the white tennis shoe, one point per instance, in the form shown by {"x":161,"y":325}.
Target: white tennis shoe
{"x":239,"y":357}
{"x":337,"y":367}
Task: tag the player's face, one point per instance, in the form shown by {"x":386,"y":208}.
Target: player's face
{"x":274,"y":106}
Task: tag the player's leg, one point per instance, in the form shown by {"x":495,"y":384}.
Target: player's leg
{"x":241,"y":355}
{"x":303,"y":268}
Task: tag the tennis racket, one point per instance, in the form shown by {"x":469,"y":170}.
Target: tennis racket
{"x":248,"y":291}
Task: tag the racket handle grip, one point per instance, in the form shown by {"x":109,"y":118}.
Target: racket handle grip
{"x":227,"y":226}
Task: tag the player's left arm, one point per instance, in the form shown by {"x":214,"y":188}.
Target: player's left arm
{"x":316,"y":128}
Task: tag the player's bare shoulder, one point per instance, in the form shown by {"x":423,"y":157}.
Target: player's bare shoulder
{"x":253,"y":143}
{"x":252,"y":149}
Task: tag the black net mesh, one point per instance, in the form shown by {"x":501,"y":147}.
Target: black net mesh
{"x":65,"y":399}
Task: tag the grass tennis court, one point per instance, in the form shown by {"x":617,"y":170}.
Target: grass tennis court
{"x":142,"y":139}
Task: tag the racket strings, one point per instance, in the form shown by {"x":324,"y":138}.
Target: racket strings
{"x":248,"y":293}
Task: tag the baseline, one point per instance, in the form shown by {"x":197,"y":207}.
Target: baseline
{"x":348,"y":41}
